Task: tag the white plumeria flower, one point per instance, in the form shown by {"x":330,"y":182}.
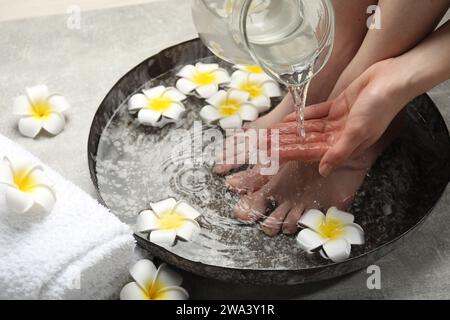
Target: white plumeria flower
{"x":333,"y":233}
{"x":40,"y":110}
{"x":248,"y":69}
{"x":203,"y":78}
{"x":157,"y":106}
{"x":167,"y":220}
{"x":260,"y":87}
{"x":229,"y":108}
{"x":153,"y":284}
{"x":28,"y":189}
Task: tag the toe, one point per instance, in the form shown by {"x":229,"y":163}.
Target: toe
{"x":223,"y":169}
{"x":251,"y":207}
{"x":272,"y":225}
{"x":290,"y":223}
{"x":247,"y":181}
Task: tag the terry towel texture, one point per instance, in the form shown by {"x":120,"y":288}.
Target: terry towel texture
{"x":78,"y":251}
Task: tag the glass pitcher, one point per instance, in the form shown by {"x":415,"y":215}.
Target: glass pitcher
{"x":290,"y":39}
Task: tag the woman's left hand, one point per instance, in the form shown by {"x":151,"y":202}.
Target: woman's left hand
{"x":343,"y":128}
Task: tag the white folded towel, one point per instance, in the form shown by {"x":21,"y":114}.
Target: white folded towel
{"x":78,"y":251}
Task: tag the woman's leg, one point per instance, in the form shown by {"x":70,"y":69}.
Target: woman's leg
{"x":351,"y":29}
{"x":404,"y":24}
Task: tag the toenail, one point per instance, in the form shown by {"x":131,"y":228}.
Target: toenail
{"x":289,"y":231}
{"x":325,"y":170}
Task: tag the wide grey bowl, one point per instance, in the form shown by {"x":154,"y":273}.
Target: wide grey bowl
{"x":132,"y":165}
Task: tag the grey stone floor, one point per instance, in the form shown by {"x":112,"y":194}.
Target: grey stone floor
{"x":84,"y":64}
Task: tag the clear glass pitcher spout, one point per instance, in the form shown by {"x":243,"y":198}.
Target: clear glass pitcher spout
{"x":285,"y":37}
{"x":290,"y":39}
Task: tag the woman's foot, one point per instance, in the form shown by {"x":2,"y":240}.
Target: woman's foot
{"x":299,"y":187}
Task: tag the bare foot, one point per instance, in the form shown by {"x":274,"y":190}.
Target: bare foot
{"x":296,"y":188}
{"x":247,"y":181}
{"x":299,"y":187}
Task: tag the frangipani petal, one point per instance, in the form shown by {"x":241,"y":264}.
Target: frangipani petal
{"x":174,"y":94}
{"x":207,"y":91}
{"x":175,"y":111}
{"x":218,"y":99}
{"x":6,"y":174}
{"x":144,"y":273}
{"x":222,"y":76}
{"x":260,"y":78}
{"x":149,"y":117}
{"x":58,"y":103}
{"x":206,"y":67}
{"x":37,"y":176}
{"x":22,"y":166}
{"x":163,"y":237}
{"x":239,"y":96}
{"x":354,"y":234}
{"x":132,"y":291}
{"x":188,"y":211}
{"x":233,"y":122}
{"x":210,"y":114}
{"x":166,"y":277}
{"x":248,"y":112}
{"x":18,"y":201}
{"x":341,"y":216}
{"x":261,"y":103}
{"x":163,"y":206}
{"x":137,"y":101}
{"x":310,"y":240}
{"x":54,"y":124}
{"x":188,"y":230}
{"x":239,"y":74}
{"x":337,"y":250}
{"x":186,"y":86}
{"x":44,"y":199}
{"x":172,"y":293}
{"x":29,"y":189}
{"x":30,"y":127}
{"x":312,"y":219}
{"x":40,"y":110}
{"x":250,"y":69}
{"x":271,"y":89}
{"x":22,"y":106}
{"x":154,"y":92}
{"x":146,"y":221}
{"x":37,"y":93}
{"x":187,"y":72}
{"x":238,"y":79}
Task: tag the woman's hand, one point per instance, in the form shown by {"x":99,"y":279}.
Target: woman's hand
{"x":343,"y":128}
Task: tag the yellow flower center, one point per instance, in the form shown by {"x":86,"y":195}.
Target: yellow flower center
{"x":254,"y":69}
{"x":204,"y":78}
{"x":253,"y":88}
{"x":171,"y":221}
{"x":156,"y":292}
{"x":229,"y":108}
{"x":41,"y":110}
{"x":331,"y":229}
{"x":24,"y":181}
{"x":160,"y":104}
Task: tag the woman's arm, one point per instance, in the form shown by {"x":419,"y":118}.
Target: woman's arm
{"x":348,"y":125}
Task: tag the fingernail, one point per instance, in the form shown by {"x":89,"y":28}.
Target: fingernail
{"x":325,"y":170}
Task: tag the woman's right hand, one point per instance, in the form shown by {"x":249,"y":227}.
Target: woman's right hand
{"x":345,"y":127}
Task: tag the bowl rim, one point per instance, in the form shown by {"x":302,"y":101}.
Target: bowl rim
{"x":180,"y":261}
